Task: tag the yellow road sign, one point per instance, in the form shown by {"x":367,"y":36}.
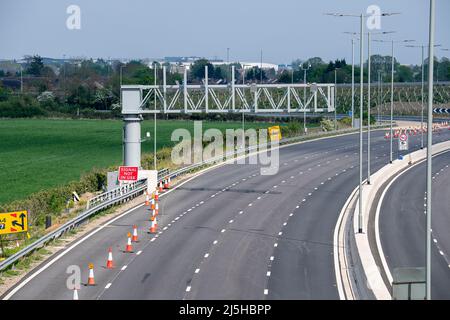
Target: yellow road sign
{"x":13,"y":222}
{"x":275,"y":133}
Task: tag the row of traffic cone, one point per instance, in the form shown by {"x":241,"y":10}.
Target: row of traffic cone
{"x":131,"y":237}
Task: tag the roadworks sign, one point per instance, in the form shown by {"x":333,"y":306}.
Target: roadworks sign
{"x":14,"y":222}
{"x":275,"y":133}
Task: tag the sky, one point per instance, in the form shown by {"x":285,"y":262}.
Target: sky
{"x":283,"y":29}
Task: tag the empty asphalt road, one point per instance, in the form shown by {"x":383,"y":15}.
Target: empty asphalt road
{"x":403,"y":220}
{"x":230,"y":233}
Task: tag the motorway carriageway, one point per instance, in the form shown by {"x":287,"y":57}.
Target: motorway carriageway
{"x":230,"y":233}
{"x":402,"y":223}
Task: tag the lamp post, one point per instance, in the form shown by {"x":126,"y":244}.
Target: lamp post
{"x":353,"y":83}
{"x":335,"y":100}
{"x":261,"y":69}
{"x":361,"y":103}
{"x":429,"y":146}
{"x":392,"y":91}
{"x":304,"y":95}
{"x":369,"y":78}
{"x":64,"y":71}
{"x":422,"y":47}
{"x":154,"y":119}
{"x":21,"y":79}
{"x":120,"y":94}
{"x":380,"y":93}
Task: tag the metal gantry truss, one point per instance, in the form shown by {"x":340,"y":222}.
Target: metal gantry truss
{"x":222,"y":98}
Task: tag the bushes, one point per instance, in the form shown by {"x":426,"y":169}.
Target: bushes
{"x":327,"y":125}
{"x":53,"y":201}
{"x":20,"y":107}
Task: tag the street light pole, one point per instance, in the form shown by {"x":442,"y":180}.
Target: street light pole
{"x":154,"y":121}
{"x":260,"y":71}
{"x":361,"y":104}
{"x":422,"y":105}
{"x":380,"y":93}
{"x":243,"y":115}
{"x":335,"y":94}
{"x":304,"y":95}
{"x":392,"y":92}
{"x":392,"y":100}
{"x":361,"y":107}
{"x":422,"y":47}
{"x":353,"y":82}
{"x":21,"y":80}
{"x":368,"y":107}
{"x":429,"y":147}
{"x":120,"y":93}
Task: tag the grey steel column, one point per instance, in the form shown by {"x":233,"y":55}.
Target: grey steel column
{"x":132,"y":140}
{"x":429,"y":146}
{"x":361,"y":107}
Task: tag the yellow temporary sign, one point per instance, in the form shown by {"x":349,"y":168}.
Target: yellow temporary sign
{"x":275,"y":133}
{"x":13,"y":222}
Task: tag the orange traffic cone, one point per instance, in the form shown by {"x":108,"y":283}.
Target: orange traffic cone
{"x":160,"y":186}
{"x":156,"y":195}
{"x":168,"y":183}
{"x":152,"y":204}
{"x":154,"y":225}
{"x":109,"y":262}
{"x":152,"y":214}
{"x":129,"y":247}
{"x":135,"y":235}
{"x":156,"y":209}
{"x":91,"y":281}
{"x":147,"y":199}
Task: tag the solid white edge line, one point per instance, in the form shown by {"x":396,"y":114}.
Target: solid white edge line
{"x":377,"y":216}
{"x":337,"y":269}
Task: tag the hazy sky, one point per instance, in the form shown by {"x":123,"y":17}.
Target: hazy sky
{"x":283,"y":29}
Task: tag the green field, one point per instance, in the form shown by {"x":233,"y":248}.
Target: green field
{"x":39,"y":154}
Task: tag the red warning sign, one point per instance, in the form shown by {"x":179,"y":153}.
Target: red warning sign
{"x":128,"y":173}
